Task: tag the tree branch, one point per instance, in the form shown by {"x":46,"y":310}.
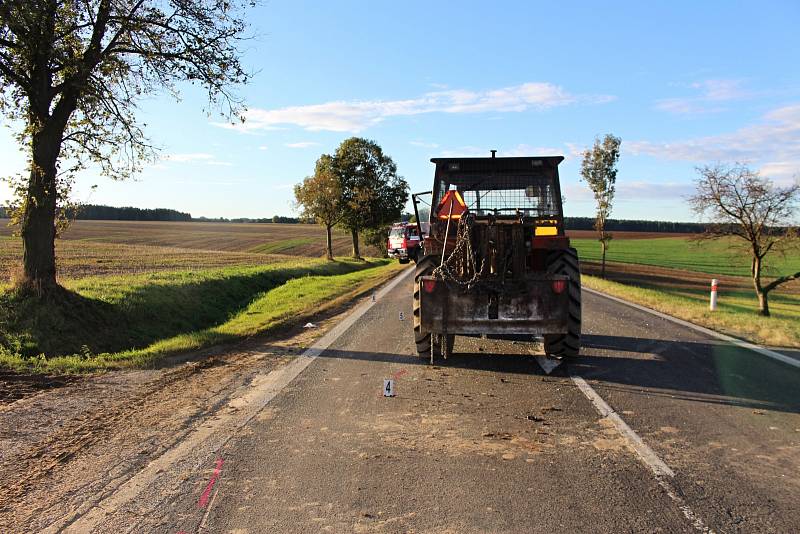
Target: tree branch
{"x":782,"y":280}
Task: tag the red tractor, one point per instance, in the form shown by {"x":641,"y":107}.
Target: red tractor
{"x":497,"y":262}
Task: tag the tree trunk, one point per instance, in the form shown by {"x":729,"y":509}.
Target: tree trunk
{"x":763,"y":303}
{"x":328,"y":242}
{"x":763,"y":299}
{"x":356,"y":252}
{"x":38,"y":224}
{"x":603,"y":263}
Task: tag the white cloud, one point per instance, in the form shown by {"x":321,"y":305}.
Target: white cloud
{"x":520,"y":150}
{"x":773,"y":144}
{"x":712,"y":94}
{"x":301,"y":144}
{"x":639,"y":189}
{"x":423,"y":144}
{"x":262,"y":147}
{"x":186,"y":158}
{"x":203,"y":158}
{"x":630,"y":191}
{"x":357,"y":115}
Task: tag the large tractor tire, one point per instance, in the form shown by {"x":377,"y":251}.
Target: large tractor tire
{"x":422,"y":337}
{"x":566,"y":345}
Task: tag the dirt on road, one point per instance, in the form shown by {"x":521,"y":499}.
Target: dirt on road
{"x":66,"y":441}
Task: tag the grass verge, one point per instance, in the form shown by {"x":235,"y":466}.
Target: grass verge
{"x":133,"y":321}
{"x":735,"y":315}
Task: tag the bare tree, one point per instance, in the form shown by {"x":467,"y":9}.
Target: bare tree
{"x":599,"y":170}
{"x":742,"y":204}
{"x":71,"y":73}
{"x":320,"y":198}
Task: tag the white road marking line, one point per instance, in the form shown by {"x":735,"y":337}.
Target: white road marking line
{"x":202,"y":525}
{"x":213,"y":435}
{"x":744,"y":344}
{"x":647,"y":455}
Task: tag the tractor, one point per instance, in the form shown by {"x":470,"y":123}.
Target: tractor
{"x":496,"y":262}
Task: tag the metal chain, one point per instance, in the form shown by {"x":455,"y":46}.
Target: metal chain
{"x":460,"y":267}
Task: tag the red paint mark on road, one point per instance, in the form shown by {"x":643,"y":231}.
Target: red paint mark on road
{"x":399,"y":373}
{"x":214,"y":477}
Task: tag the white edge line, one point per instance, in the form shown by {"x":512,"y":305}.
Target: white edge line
{"x":743,"y":344}
{"x":645,"y":453}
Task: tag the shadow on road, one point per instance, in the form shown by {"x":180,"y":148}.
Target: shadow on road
{"x":711,"y":372}
{"x":708,"y":372}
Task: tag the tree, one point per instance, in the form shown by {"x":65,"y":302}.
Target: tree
{"x":740,"y":203}
{"x":599,"y":170}
{"x":320,"y":197}
{"x":372,"y":193}
{"x":71,"y":74}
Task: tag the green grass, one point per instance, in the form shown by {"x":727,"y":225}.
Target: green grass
{"x":134,"y":320}
{"x":282,"y":246}
{"x":713,"y":257}
{"x":735,"y":315}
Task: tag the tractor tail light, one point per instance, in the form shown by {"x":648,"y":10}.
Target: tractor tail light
{"x":559,"y":286}
{"x":429,"y":285}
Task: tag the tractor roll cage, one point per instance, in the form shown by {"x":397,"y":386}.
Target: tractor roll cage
{"x":502,"y":187}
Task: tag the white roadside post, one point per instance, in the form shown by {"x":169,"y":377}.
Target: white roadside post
{"x":713,"y":304}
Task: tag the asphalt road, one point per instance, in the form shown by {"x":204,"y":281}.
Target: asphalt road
{"x":487,"y":442}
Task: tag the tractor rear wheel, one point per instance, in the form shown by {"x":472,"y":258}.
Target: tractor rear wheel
{"x":566,"y":345}
{"x":422,"y":337}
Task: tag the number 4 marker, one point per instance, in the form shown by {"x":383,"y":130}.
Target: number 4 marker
{"x":388,"y":388}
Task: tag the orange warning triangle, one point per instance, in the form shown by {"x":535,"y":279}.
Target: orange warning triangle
{"x":453,"y":198}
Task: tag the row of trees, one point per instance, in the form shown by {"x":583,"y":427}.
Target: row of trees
{"x":109,"y":213}
{"x":736,"y":201}
{"x":634,"y":225}
{"x":278,"y":219}
{"x":356,"y":188}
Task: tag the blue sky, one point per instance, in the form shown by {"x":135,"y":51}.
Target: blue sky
{"x":682,"y":83}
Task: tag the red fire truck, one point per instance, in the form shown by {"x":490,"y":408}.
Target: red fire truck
{"x":404,"y":242}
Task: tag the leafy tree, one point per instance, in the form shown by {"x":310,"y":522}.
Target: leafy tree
{"x":71,"y":74}
{"x":320,"y":198}
{"x":373,"y":195}
{"x":742,"y":204}
{"x":377,"y":238}
{"x":599,"y":170}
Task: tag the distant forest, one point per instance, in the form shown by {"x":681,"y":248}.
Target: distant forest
{"x":109,"y":213}
{"x":587,"y":223}
{"x":93,"y":212}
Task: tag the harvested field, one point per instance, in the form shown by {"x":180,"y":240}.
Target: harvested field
{"x":78,"y":259}
{"x":90,"y":248}
{"x":292,"y":239}
{"x":679,"y":281}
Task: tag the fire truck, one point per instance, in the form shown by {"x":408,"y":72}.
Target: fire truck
{"x":405,"y":242}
